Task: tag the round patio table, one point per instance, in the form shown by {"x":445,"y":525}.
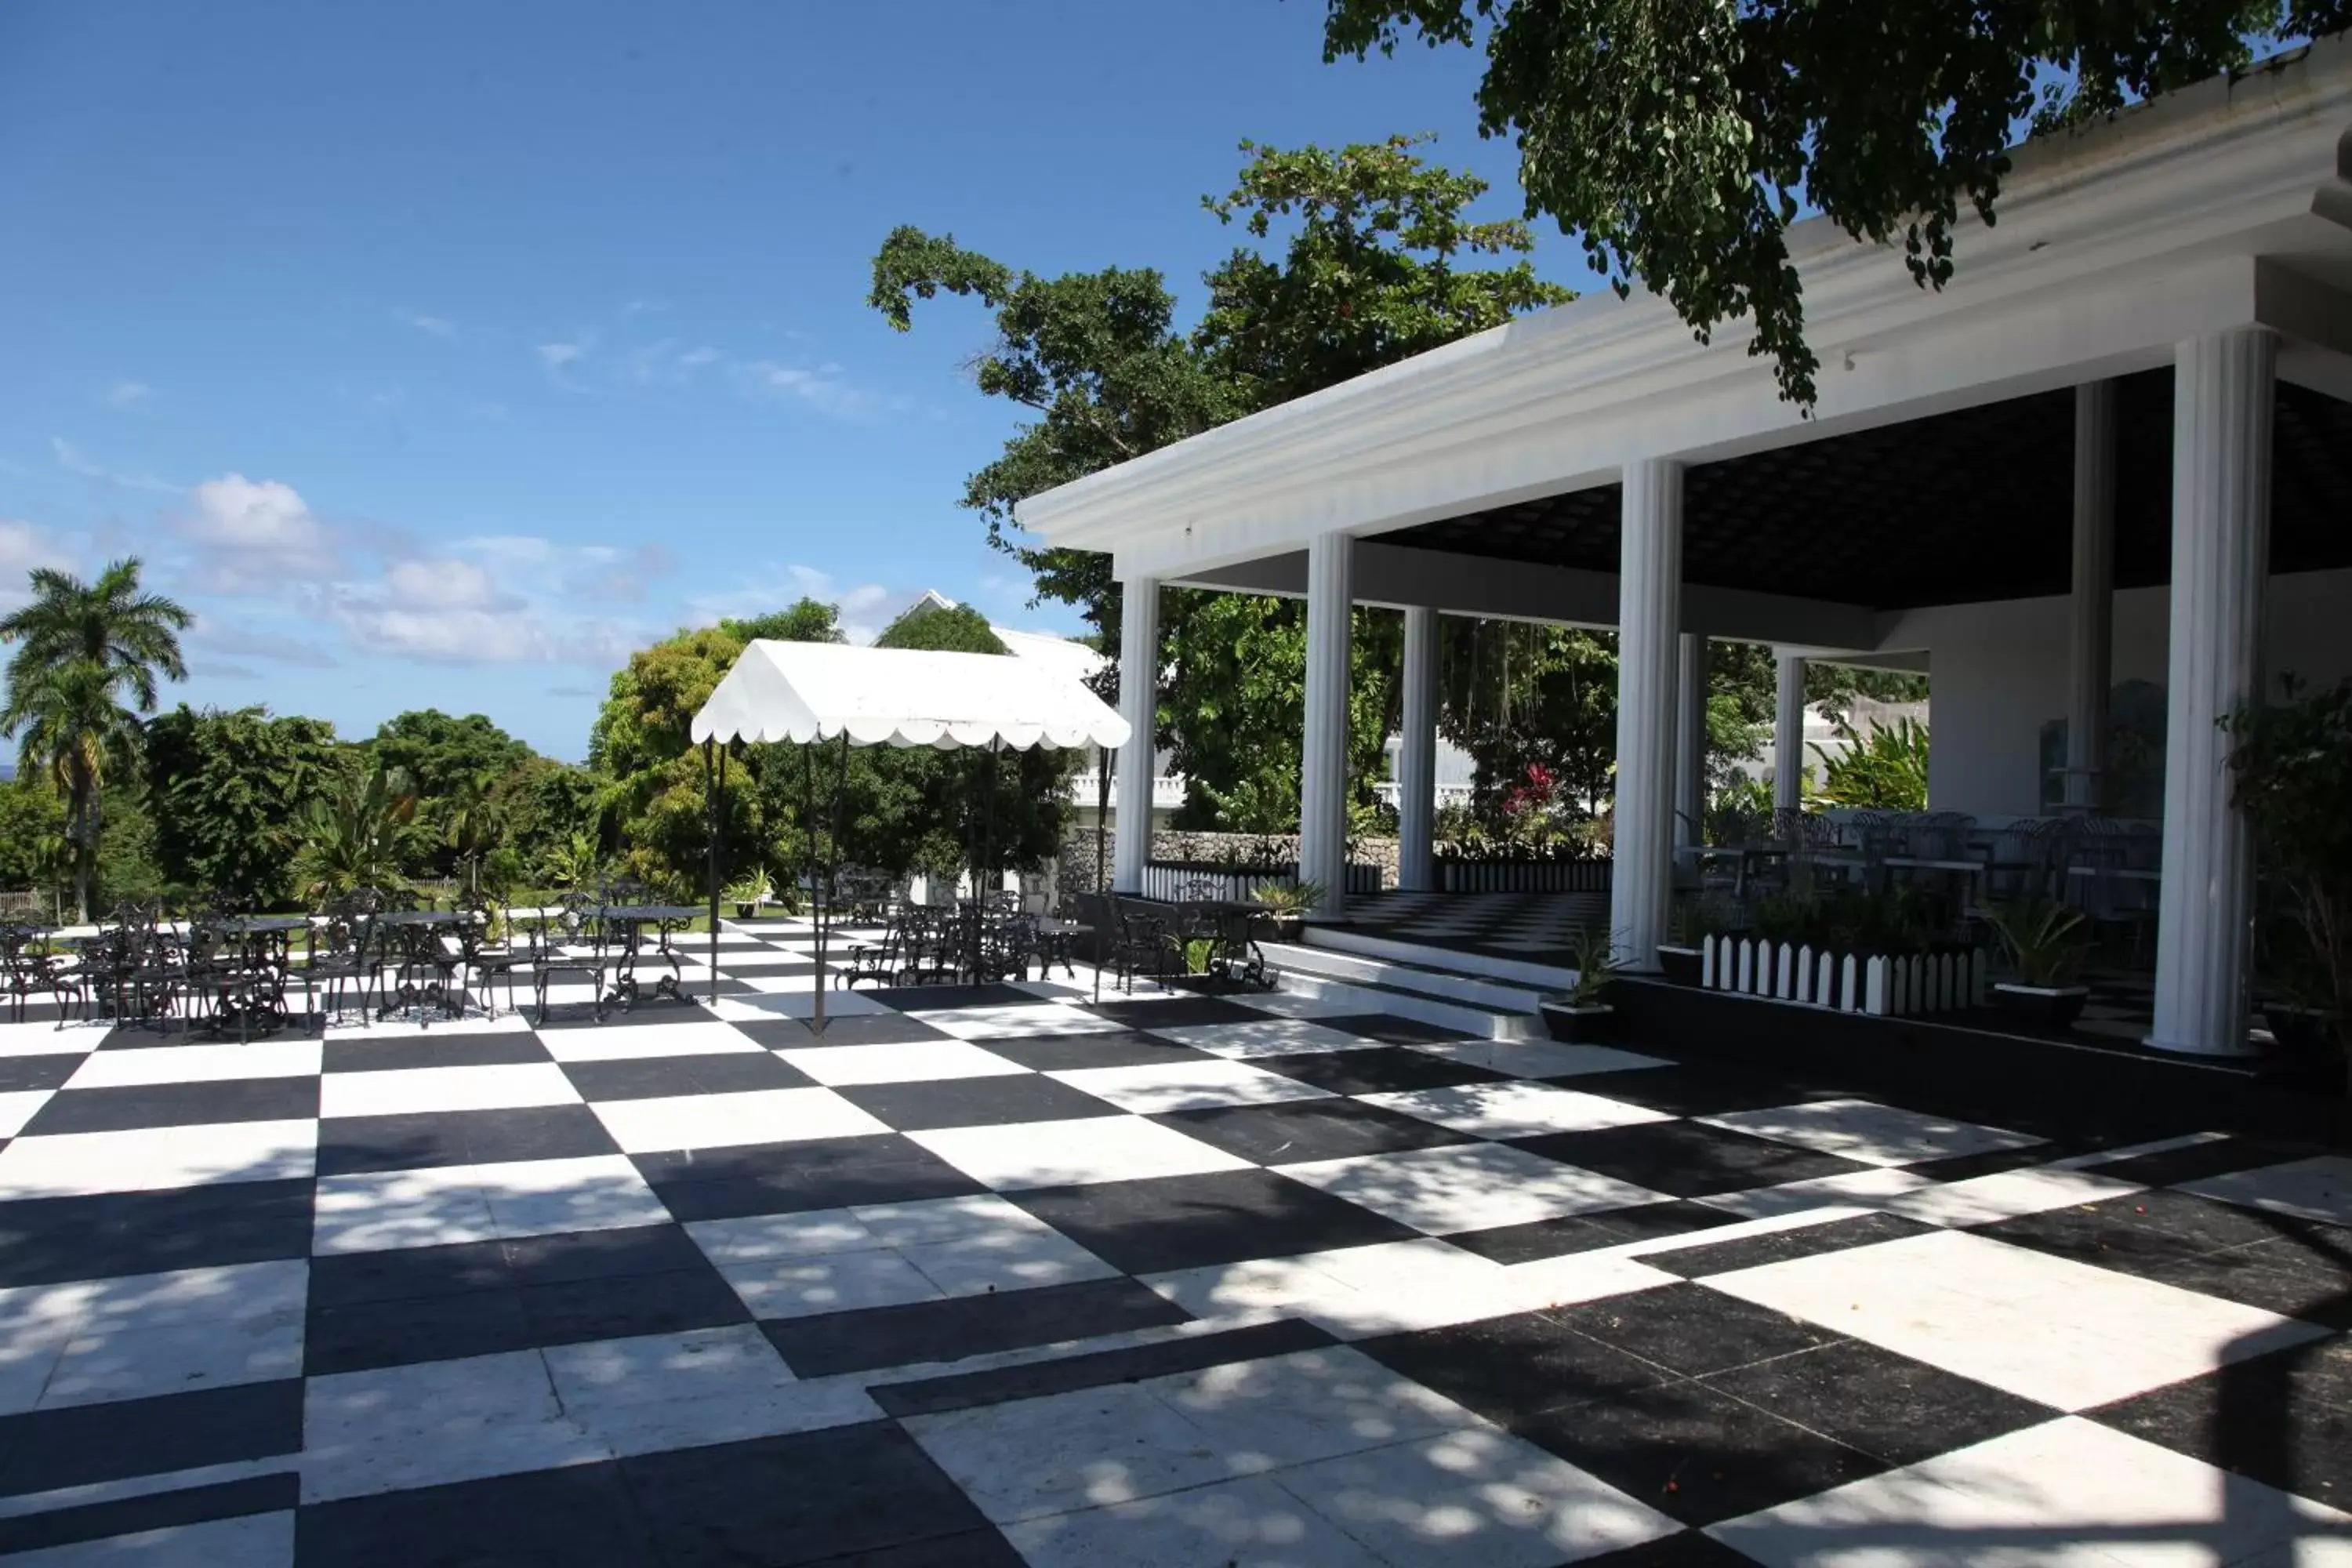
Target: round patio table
{"x":419,"y":953}
{"x":253,"y":991}
{"x":628,"y":922}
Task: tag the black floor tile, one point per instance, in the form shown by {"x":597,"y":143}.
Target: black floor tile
{"x":156,"y":1510}
{"x":799,"y":1498}
{"x":507,"y":1048}
{"x":1693,"y":1452}
{"x":1395,"y":1031}
{"x":370,"y":1334}
{"x":2152,"y":1224}
{"x":1704,"y":1258}
{"x":352,"y":1144}
{"x":1390,"y":1070}
{"x":406,"y":1273}
{"x":941,"y":998}
{"x":1584,"y":1233}
{"x":792,"y":1178}
{"x":1065,"y":1374}
{"x":1299,"y":1131}
{"x":1691,"y":1330}
{"x":125,"y":1108}
{"x":1177,"y":1012}
{"x":653,"y":1077}
{"x":980,"y":1548}
{"x":1684,"y":1548}
{"x":1694,"y":1089}
{"x":965,"y":1326}
{"x":1063,"y":1053}
{"x":858,"y":1030}
{"x":1987,"y":1162}
{"x":998,"y":1102}
{"x":1223,"y":1216}
{"x":2218,"y":1157}
{"x":1508,"y":1367}
{"x":574,"y":1311}
{"x":1888,"y":1406}
{"x":618,"y":1253}
{"x":1687,"y":1159}
{"x":45,"y":1241}
{"x":583,"y":1516}
{"x":22,"y":1075}
{"x":43,"y":1450}
{"x":2284,"y":1419}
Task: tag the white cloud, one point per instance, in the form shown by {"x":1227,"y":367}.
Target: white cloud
{"x":695,"y":358}
{"x":555,"y":356}
{"x":451,"y":584}
{"x":240,"y":642}
{"x":74,"y":460}
{"x":253,"y":535}
{"x":23,"y":547}
{"x":822,"y":388}
{"x":440,"y":327}
{"x":777,"y":587}
{"x":127,"y":394}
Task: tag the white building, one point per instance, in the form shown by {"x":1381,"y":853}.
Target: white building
{"x":2116,"y":449}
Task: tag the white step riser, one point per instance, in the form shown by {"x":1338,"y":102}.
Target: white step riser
{"x":1432,"y":1010}
{"x":1547,"y":977}
{"x":1346,"y":966}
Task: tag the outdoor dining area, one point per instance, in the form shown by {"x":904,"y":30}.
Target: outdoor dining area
{"x":366,"y":955}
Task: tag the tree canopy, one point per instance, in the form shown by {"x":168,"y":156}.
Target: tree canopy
{"x":229,"y":792}
{"x":1679,"y":139}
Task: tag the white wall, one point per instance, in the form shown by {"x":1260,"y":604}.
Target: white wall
{"x":1998,"y":672}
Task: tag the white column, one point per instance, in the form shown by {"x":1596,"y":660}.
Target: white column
{"x":1139,"y":704}
{"x":1787,"y":729}
{"x":1649,"y":595}
{"x":1323,"y":761}
{"x":2092,"y":653}
{"x":1417,"y":757}
{"x":1690,"y":742}
{"x":2222,"y":402}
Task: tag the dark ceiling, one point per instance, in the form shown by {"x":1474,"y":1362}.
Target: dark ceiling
{"x":1959,"y":509}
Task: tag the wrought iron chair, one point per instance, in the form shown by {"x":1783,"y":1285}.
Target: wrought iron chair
{"x":486,"y":951}
{"x":28,"y":969}
{"x":571,"y":942}
{"x":342,"y":954}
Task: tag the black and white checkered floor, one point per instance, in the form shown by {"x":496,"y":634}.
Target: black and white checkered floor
{"x":996,"y":1276}
{"x":1540,"y":927}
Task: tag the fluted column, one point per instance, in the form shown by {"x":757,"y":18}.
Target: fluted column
{"x":1417,"y":756}
{"x":1649,"y":594}
{"x":2221,"y":407}
{"x":1690,"y":742}
{"x":1139,"y":704}
{"x":1787,"y":729}
{"x":1323,"y":763}
{"x":2093,"y":637}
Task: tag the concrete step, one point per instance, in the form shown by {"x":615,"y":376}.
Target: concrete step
{"x":1426,"y":994}
{"x":1545,"y":977}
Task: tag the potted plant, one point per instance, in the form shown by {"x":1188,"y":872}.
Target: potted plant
{"x":1583,"y":1017}
{"x":2046,"y":942}
{"x":1683,"y":955}
{"x":745,"y":892}
{"x":1286,"y":905}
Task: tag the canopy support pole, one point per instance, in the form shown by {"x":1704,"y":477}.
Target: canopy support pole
{"x":714,"y":786}
{"x":840,"y":789}
{"x":1104,"y":762}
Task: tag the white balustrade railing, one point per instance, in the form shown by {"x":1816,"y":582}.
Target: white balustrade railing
{"x":1887,"y":985}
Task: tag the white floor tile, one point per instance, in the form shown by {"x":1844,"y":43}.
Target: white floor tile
{"x":429,"y":1400}
{"x":376,"y":1210}
{"x":1030,"y":1458}
{"x":826,"y":1282}
{"x":1477,"y":1497}
{"x":2006,"y":1195}
{"x":1467,"y":1186}
{"x":661,"y":1426}
{"x":1010,"y":1260}
{"x":1153,"y":1088}
{"x":703,"y":1363}
{"x":198,"y":1064}
{"x":1537,"y":1059}
{"x":248,"y":1541}
{"x":540,"y":1198}
{"x":143,"y":1361}
{"x":2068,"y":1491}
{"x":1851,"y":1193}
{"x":626,"y":1042}
{"x":838,"y":1003}
{"x":1060,"y":1154}
{"x":2318,"y":1188}
{"x":1298,"y":1004}
{"x":1018,"y":1021}
{"x":1247,"y":1523}
{"x":18,"y":1107}
{"x":721,"y":1121}
{"x":506,"y":1086}
{"x":180,"y":1298}
{"x":1514,"y":1110}
{"x":1313,"y":1404}
{"x":153,"y":1157}
{"x":1264,"y":1038}
{"x":904,"y":1061}
{"x":49,"y":1040}
{"x":759,"y":1238}
{"x":2049,"y":1329}
{"x":1871,"y":1133}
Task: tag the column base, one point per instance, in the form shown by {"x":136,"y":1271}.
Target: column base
{"x":2219,"y":1053}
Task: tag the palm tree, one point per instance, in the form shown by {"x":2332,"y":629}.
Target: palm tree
{"x":81,"y":648}
{"x":473,"y":822}
{"x":352,"y":835}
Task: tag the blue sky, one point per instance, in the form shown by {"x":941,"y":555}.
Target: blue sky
{"x":439,"y":354}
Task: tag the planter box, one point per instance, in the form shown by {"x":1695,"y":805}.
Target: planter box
{"x":1887,"y":985}
{"x":2052,"y":1006}
{"x":1588,"y":1025}
{"x":1459,"y":876}
{"x":1684,"y":965}
{"x":745,"y":911}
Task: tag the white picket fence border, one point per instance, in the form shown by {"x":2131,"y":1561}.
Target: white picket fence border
{"x":1888,"y":987}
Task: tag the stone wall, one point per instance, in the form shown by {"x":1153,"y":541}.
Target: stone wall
{"x":1075,"y":872}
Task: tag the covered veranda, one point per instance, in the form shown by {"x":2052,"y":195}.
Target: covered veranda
{"x":2115,"y":452}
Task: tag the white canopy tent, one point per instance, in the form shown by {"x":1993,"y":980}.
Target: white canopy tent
{"x":807,"y":693}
